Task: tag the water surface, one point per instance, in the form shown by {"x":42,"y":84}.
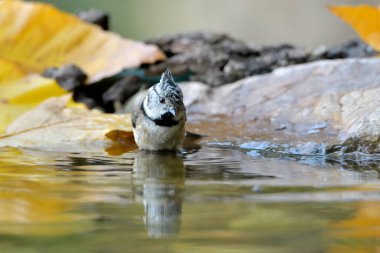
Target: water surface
{"x":217,"y":199}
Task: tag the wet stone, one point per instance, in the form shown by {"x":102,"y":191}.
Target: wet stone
{"x":308,"y":148}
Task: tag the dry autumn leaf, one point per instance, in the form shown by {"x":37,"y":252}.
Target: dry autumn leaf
{"x":34,"y":36}
{"x":364,"y":19}
{"x":9,"y":71}
{"x":123,"y":142}
{"x":55,"y":127}
{"x":18,"y":96}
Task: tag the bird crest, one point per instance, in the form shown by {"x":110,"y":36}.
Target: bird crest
{"x":167,"y":78}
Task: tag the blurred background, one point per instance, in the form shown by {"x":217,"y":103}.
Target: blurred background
{"x":303,"y":23}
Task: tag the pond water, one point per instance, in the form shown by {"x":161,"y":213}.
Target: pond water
{"x":215,"y":199}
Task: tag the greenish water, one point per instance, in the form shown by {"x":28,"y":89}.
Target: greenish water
{"x":216,"y":199}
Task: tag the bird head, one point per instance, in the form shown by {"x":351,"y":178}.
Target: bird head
{"x":164,"y":102}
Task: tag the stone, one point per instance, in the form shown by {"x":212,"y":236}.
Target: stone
{"x":361,"y":120}
{"x":354,"y":48}
{"x":217,"y":59}
{"x":67,"y":76}
{"x":122,"y":90}
{"x":335,"y":103}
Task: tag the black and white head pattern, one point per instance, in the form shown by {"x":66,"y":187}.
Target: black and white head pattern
{"x":163,"y":103}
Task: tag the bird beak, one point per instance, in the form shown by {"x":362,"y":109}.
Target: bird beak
{"x":172,"y":111}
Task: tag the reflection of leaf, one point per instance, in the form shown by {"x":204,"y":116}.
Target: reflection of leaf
{"x":20,"y":95}
{"x":364,"y":19}
{"x":34,"y":36}
{"x":53,"y":126}
{"x":30,"y":205}
{"x":363,"y":227}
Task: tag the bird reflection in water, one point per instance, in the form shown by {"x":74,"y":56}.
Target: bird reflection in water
{"x":160,"y":179}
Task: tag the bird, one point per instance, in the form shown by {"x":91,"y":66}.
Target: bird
{"x":159,"y":122}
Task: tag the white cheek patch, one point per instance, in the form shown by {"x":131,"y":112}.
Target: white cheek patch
{"x":149,"y":112}
{"x":152,"y":107}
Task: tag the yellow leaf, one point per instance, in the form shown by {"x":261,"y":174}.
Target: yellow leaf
{"x":30,"y":90}
{"x":34,"y":36}
{"x":9,"y":71}
{"x":18,"y":96}
{"x":55,"y":127}
{"x":364,"y":19}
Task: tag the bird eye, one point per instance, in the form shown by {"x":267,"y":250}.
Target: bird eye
{"x":162,"y":100}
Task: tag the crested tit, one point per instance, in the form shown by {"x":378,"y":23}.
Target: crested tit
{"x":159,"y":122}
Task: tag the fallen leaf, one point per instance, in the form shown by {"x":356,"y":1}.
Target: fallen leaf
{"x":364,"y":19}
{"x":9,"y":71}
{"x":55,"y":127}
{"x":123,"y":142}
{"x":34,"y":36}
{"x":20,"y":95}
{"x":30,"y":90}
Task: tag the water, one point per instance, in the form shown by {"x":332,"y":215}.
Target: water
{"x":217,"y":199}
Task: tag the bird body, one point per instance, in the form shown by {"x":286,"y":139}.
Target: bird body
{"x":159,"y":122}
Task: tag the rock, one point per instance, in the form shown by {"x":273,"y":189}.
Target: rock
{"x":96,"y":17}
{"x":108,"y":93}
{"x":67,"y":76}
{"x":351,"y":49}
{"x":335,"y":103}
{"x":361,"y":121}
{"x":354,"y":48}
{"x":122,"y":90}
{"x":217,"y":59}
